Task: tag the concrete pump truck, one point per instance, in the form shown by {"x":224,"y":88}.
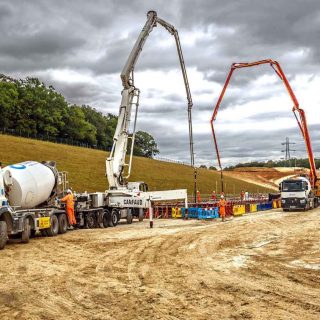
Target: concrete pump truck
{"x":299,"y":192}
{"x":126,"y":199}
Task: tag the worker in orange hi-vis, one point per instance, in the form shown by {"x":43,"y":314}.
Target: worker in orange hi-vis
{"x":198,"y":196}
{"x":68,"y":199}
{"x":222,"y":208}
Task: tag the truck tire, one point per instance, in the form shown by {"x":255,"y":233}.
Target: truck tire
{"x":114,"y":218}
{"x":54,"y":228}
{"x":3,"y":234}
{"x":33,"y":233}
{"x":106,"y":218}
{"x":141,"y":214}
{"x":129,"y":216}
{"x":63,"y":223}
{"x":91,"y":221}
{"x":25,"y":234}
{"x":44,"y":232}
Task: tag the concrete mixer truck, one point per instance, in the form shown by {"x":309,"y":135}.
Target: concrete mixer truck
{"x":28,"y":204}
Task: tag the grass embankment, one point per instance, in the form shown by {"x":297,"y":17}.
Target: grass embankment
{"x":86,"y":167}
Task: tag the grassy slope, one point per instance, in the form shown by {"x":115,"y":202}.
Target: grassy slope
{"x":86,"y":167}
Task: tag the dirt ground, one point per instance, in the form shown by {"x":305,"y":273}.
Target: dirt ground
{"x":259,"y":266}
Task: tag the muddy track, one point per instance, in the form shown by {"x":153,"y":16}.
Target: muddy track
{"x":262,"y":266}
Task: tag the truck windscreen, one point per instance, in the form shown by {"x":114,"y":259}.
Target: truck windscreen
{"x":292,"y":186}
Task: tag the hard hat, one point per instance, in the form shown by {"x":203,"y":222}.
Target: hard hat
{"x":222,"y":196}
{"x":69,"y":191}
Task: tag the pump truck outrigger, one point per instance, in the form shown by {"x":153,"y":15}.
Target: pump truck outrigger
{"x":296,"y":193}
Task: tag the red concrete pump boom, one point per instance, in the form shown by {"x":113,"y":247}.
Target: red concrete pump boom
{"x":301,"y":118}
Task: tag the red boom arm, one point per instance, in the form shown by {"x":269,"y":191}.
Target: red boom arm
{"x":301,"y":119}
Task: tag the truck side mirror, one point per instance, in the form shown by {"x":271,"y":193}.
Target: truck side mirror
{"x":279,"y":186}
{"x":307,"y":187}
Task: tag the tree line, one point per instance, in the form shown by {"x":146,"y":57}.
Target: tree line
{"x":30,"y":107}
{"x":304,"y":163}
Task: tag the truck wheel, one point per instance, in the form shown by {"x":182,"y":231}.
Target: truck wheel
{"x":114,"y":219}
{"x":63,"y":223}
{"x":141,"y":215}
{"x":129,"y":216}
{"x":54,"y":228}
{"x":91,"y":220}
{"x":25,"y":234}
{"x":33,"y":233}
{"x":3,"y":234}
{"x":106,"y":219}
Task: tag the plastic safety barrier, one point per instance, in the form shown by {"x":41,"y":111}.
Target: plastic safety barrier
{"x":239,"y":209}
{"x":176,"y":213}
{"x":253,"y":207}
{"x":200,"y":213}
{"x":276,"y":204}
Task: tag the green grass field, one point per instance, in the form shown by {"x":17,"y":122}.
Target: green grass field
{"x":86,"y":167}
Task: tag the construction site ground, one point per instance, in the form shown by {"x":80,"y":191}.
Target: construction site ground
{"x":259,"y":266}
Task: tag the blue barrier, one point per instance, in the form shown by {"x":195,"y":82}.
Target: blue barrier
{"x":213,"y":213}
{"x":199,"y":213}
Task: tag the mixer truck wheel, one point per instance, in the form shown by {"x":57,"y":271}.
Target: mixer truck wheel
{"x":54,"y":229}
{"x":25,"y":234}
{"x":33,"y":233}
{"x":63,"y":223}
{"x":3,"y":234}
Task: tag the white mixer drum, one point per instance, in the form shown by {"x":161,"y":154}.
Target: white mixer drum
{"x":32,"y":185}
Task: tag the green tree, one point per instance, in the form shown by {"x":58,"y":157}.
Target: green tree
{"x":8,"y":100}
{"x":77,"y":128}
{"x":105,"y":125}
{"x":145,"y":145}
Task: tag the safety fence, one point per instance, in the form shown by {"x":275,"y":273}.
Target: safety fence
{"x":209,"y":211}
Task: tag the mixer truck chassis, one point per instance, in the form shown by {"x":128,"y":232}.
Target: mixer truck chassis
{"x":24,"y":224}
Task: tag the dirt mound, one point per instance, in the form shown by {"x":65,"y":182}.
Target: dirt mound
{"x":266,"y":177}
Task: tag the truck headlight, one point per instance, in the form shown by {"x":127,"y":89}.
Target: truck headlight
{"x":283,"y":201}
{"x":302,"y":201}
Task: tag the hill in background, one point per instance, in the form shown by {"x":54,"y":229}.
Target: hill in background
{"x":86,"y":168}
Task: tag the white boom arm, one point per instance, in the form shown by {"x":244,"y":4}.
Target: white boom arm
{"x":115,"y":163}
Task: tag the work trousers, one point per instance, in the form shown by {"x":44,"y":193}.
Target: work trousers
{"x":71,"y":217}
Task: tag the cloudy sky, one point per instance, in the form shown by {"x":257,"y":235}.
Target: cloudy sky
{"x":80,"y":47}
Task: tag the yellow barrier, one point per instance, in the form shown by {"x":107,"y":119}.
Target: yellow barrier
{"x":253,"y":207}
{"x":239,"y":210}
{"x":176,"y":213}
{"x":276,"y":204}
